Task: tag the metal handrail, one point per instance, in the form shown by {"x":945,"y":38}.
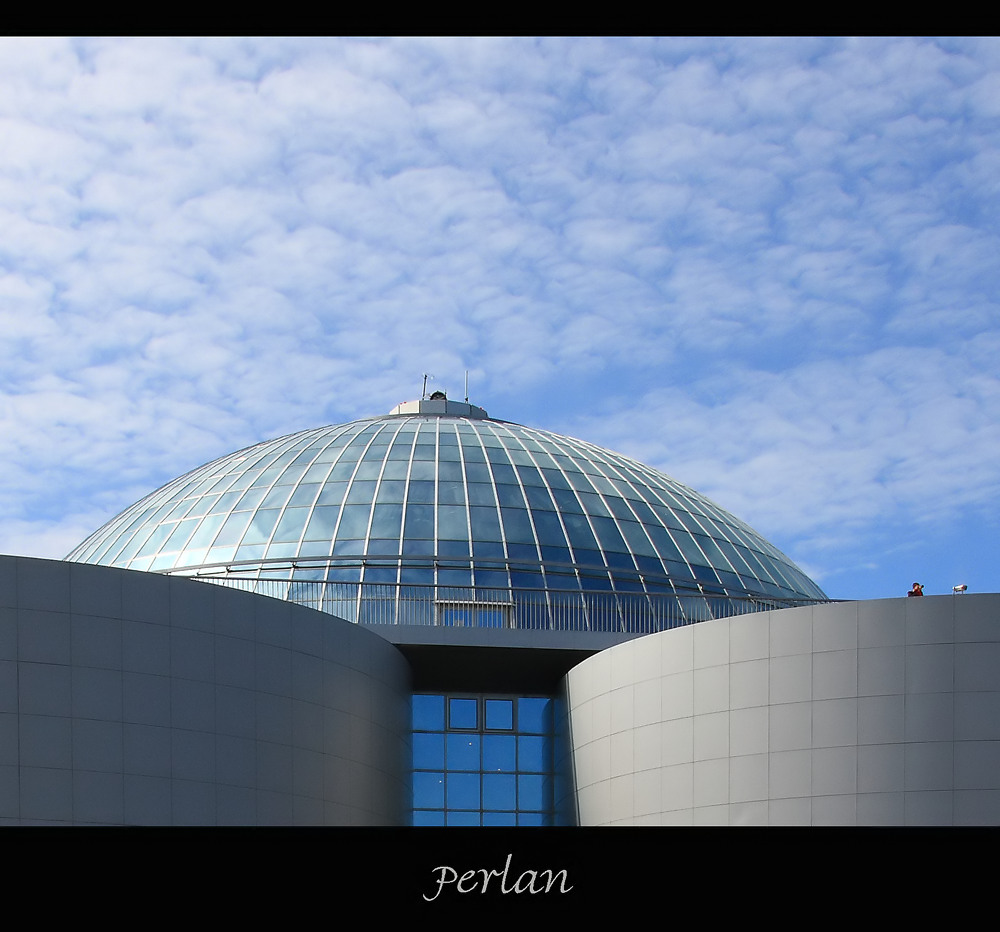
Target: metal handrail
{"x":565,"y":610}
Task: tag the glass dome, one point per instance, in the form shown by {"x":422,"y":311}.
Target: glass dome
{"x":438,"y":514}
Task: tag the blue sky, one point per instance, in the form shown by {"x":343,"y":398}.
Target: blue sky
{"x":767,"y":267}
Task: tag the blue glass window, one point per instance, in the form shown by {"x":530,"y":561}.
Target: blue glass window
{"x":463,"y":713}
{"x":491,"y":764}
{"x":428,"y":713}
{"x":428,"y":789}
{"x":428,"y":751}
{"x":463,"y":751}
{"x":534,"y":715}
{"x":499,"y":753}
{"x":499,"y":714}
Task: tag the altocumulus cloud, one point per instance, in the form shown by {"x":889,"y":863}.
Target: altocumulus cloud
{"x":765,"y":266}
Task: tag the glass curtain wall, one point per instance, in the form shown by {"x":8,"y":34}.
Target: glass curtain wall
{"x":483,"y":759}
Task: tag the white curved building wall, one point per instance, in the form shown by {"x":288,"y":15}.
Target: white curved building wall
{"x":856,"y":713}
{"x":135,"y":698}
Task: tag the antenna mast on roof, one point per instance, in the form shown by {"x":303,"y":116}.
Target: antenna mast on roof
{"x":423,"y":394}
{"x":466,"y":386}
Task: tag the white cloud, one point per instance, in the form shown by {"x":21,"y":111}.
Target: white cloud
{"x":768,"y":265}
{"x":826,"y":451}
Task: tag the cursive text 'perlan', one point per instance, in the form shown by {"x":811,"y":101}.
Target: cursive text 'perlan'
{"x":527,"y":881}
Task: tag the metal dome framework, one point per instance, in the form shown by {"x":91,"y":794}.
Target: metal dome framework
{"x":437,"y":514}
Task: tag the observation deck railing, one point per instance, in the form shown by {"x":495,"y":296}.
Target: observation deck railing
{"x":562,"y":610}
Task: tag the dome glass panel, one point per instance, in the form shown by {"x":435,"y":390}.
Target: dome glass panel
{"x":389,"y":519}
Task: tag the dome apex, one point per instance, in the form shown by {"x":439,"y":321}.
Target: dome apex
{"x":438,"y":405}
